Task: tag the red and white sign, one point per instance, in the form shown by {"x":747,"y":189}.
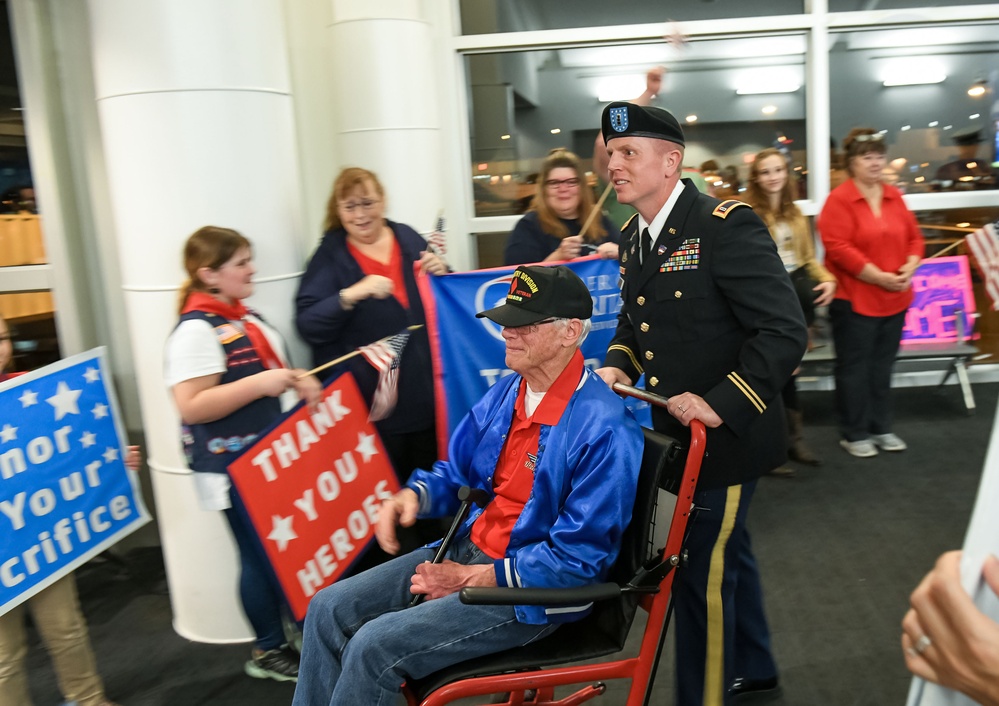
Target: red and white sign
{"x":312,"y":487}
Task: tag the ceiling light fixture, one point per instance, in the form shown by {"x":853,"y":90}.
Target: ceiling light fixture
{"x":912,"y":71}
{"x":691,"y":118}
{"x":762,"y":88}
{"x":620,"y":88}
{"x":977,"y":89}
{"x":769,"y":109}
{"x":914,"y":79}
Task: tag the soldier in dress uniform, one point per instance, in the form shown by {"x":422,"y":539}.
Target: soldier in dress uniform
{"x":968,"y":171}
{"x":710,"y":317}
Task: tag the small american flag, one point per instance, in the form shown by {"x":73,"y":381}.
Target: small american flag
{"x":984,"y":244}
{"x":438,"y":240}
{"x":385,"y":355}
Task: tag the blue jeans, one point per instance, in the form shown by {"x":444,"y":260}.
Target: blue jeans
{"x":362,"y":640}
{"x":261,"y":601}
{"x":866,"y":347}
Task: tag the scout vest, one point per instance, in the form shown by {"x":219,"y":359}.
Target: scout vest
{"x":212,"y":446}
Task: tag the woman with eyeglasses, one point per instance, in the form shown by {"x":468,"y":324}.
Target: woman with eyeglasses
{"x":873,"y":247}
{"x":358,"y":288}
{"x":771,"y":193}
{"x":550,"y":230}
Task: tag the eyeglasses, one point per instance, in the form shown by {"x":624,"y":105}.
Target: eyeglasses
{"x":365,"y":205}
{"x":533,"y":328}
{"x":555,"y":184}
{"x":876,"y":137}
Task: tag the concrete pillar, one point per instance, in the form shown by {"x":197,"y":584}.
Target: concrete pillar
{"x":197,"y":123}
{"x":386,"y":102}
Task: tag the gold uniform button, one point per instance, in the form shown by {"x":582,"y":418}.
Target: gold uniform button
{"x":641,"y":301}
{"x":653,"y":381}
{"x":644,"y":327}
{"x":678,"y":294}
{"x":649,"y":355}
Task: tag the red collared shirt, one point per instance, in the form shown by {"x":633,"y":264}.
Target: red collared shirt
{"x":392,"y":269}
{"x":514,"y":477}
{"x":854,"y":236}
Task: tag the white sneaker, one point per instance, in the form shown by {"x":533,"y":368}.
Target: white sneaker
{"x":888,"y":442}
{"x":864,"y":448}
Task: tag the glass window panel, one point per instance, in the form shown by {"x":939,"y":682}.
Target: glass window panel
{"x":945,"y":230}
{"x":490,"y":248}
{"x":488,"y":16}
{"x":941,"y":136}
{"x":523,"y":104}
{"x":30,"y":317}
{"x":861,"y":5}
{"x":21,"y":240}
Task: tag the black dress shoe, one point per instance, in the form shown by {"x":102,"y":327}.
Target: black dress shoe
{"x":754,"y":690}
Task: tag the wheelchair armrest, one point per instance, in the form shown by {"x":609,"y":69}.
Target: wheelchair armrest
{"x":481,"y":595}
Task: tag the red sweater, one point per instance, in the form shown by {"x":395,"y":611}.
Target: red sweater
{"x":853,"y":236}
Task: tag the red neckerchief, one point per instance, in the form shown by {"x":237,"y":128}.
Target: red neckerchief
{"x":199,"y":301}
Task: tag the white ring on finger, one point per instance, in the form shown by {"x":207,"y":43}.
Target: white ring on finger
{"x":922,"y":644}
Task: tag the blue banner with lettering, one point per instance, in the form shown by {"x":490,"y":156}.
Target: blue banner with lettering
{"x":65,"y":494}
{"x":469,"y":353}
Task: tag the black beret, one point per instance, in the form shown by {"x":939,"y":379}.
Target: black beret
{"x":967,"y":136}
{"x":622,"y":119}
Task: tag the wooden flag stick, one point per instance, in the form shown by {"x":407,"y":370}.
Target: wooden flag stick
{"x":596,"y":210}
{"x":949,"y":247}
{"x":350,"y":355}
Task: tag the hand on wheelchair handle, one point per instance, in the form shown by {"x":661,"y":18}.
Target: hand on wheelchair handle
{"x":400,"y":509}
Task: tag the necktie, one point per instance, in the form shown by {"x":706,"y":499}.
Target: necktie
{"x":646,"y":246}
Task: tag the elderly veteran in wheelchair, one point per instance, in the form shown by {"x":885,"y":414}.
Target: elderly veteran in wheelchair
{"x":557,"y":455}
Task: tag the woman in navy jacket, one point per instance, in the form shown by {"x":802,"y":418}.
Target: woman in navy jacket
{"x":550,"y":230}
{"x":360,"y":287}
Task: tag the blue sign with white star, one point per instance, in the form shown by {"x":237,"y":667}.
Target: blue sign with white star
{"x":65,"y":494}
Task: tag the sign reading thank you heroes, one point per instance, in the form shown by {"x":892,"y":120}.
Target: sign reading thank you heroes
{"x":311,"y":487}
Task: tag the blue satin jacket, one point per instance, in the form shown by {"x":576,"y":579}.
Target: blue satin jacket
{"x":569,"y":533}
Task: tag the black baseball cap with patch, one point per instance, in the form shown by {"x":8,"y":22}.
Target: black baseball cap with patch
{"x":538,"y":293}
{"x":622,"y":119}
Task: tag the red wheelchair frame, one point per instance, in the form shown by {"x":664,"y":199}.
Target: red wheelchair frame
{"x":653,"y":584}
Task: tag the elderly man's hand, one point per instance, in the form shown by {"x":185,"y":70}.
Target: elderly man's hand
{"x":401,"y":509}
{"x":439,"y":580}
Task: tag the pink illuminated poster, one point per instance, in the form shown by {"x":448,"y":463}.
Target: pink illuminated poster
{"x":942,"y":289}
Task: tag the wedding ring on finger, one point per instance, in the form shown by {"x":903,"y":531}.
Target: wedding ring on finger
{"x":922,"y":644}
{"x":682,"y":410}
